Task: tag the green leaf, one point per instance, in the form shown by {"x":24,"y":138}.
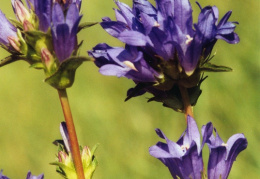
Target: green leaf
{"x":86,"y":25}
{"x":64,"y":77}
{"x":209,"y":67}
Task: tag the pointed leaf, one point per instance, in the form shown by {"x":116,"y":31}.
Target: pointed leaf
{"x":209,"y":67}
{"x":85,"y":25}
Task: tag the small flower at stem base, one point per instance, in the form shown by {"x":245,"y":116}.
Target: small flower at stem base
{"x":65,"y":164}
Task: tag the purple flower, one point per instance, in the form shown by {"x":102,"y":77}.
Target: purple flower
{"x":6,"y":30}
{"x":2,"y":176}
{"x":43,"y":11}
{"x":222,"y":155}
{"x":64,"y":30}
{"x":164,"y":40}
{"x":183,"y":158}
{"x":123,"y":62}
{"x":30,"y":176}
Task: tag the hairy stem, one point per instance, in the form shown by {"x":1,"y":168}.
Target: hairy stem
{"x":186,"y":102}
{"x":72,"y":133}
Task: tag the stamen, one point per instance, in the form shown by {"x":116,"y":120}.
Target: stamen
{"x":223,"y":144}
{"x":185,"y":147}
{"x":156,"y":24}
{"x":189,"y":39}
{"x":130,"y":65}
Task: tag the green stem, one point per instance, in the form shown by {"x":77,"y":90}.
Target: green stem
{"x":186,"y":102}
{"x":72,"y":133}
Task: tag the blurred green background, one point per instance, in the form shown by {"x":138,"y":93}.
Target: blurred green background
{"x":30,"y":110}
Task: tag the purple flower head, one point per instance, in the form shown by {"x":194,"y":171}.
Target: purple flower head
{"x":168,"y":45}
{"x":222,"y":155}
{"x":6,"y":30}
{"x":2,"y":176}
{"x":168,"y":29}
{"x":30,"y":176}
{"x":183,"y":158}
{"x":64,"y":30}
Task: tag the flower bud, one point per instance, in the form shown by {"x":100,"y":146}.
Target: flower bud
{"x":47,"y":59}
{"x":14,"y":42}
{"x":27,"y":25}
{"x":21,"y":12}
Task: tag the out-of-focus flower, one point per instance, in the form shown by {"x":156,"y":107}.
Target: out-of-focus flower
{"x":222,"y":155}
{"x":184,"y":158}
{"x":30,"y":176}
{"x":2,"y":176}
{"x":64,"y":30}
{"x":162,"y":45}
{"x":65,"y":164}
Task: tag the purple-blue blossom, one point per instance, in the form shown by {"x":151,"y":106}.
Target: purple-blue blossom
{"x":222,"y":155}
{"x":64,"y":30}
{"x":29,"y":176}
{"x":184,"y":158}
{"x":3,"y":176}
{"x":7,"y":30}
{"x":163,"y":49}
{"x":43,"y":10}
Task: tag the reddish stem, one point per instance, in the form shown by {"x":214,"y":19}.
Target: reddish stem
{"x":72,"y":134}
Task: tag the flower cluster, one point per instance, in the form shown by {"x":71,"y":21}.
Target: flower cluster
{"x":65,"y":165}
{"x":45,"y":35}
{"x":184,"y":158}
{"x":29,"y":176}
{"x":163,"y":49}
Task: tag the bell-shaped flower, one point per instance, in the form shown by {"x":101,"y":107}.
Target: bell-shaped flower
{"x":64,"y":30}
{"x":123,"y":62}
{"x":7,"y":31}
{"x":183,"y":158}
{"x":222,"y":155}
{"x":43,"y":11}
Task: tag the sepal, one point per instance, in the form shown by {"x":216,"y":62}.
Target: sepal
{"x":172,"y":98}
{"x":65,"y":75}
{"x":85,"y":25}
{"x":209,"y":67}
